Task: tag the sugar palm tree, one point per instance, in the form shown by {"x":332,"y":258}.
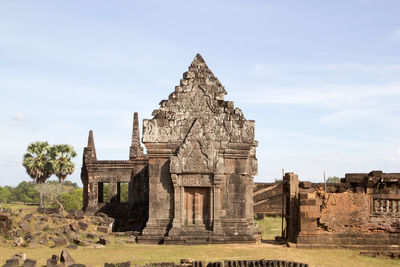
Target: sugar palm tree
{"x":38,"y":165}
{"x":62,"y":163}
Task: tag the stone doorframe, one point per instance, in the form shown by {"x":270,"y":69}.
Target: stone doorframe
{"x":182,"y":180}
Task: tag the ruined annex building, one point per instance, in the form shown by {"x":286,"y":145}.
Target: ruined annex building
{"x":195,"y":184}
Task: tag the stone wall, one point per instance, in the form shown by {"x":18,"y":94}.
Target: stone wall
{"x":267,"y":199}
{"x":362,"y":210}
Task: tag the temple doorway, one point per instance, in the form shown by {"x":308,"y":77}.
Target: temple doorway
{"x":197,"y":206}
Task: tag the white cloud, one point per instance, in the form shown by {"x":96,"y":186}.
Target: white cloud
{"x":398,"y":152}
{"x":338,"y":96}
{"x":350,"y":115}
{"x":18,"y":119}
{"x":335,"y":72}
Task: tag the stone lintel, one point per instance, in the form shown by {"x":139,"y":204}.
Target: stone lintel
{"x":161,"y":150}
{"x":240,"y":146}
{"x":236,"y":153}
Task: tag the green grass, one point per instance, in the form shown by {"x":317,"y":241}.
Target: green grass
{"x":270,"y":227}
{"x":141,"y":254}
{"x":24,"y":206}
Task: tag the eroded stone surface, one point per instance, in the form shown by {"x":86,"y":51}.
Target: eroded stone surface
{"x":195,"y":183}
{"x":363,"y":210}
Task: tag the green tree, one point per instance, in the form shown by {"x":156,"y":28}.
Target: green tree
{"x":25,"y":192}
{"x":106,"y":192}
{"x":73,"y":200}
{"x":38,"y":164}
{"x":5,"y":194}
{"x":333,"y":179}
{"x":124,"y":191}
{"x":62,"y":163}
{"x":71,"y":184}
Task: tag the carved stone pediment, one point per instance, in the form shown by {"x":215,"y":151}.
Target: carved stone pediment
{"x":196,"y":154}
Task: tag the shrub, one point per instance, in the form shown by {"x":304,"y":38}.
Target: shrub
{"x":73,"y":200}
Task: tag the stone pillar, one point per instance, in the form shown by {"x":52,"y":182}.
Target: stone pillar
{"x":92,"y":196}
{"x":178,"y":199}
{"x":249,"y":200}
{"x":182,"y":205}
{"x":161,"y":207}
{"x":216,"y":193}
{"x":291,"y":189}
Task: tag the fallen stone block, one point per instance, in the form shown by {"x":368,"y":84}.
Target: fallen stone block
{"x":52,"y":263}
{"x":30,"y":263}
{"x":72,"y":246}
{"x":18,"y":242}
{"x":60,"y":242}
{"x":103,"y":229}
{"x":91,"y":236}
{"x":74,"y":227}
{"x":11,"y":263}
{"x":81,"y":242}
{"x":28,"y":217}
{"x":21,"y":257}
{"x":83,"y":226}
{"x":104,"y":241}
{"x":124,"y":264}
{"x":66,"y":258}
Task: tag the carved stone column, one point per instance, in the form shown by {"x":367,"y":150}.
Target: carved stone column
{"x":176,"y":222}
{"x":92,"y":197}
{"x":216,"y":193}
{"x":182,"y":205}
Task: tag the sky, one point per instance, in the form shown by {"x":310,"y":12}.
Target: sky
{"x":320,"y":78}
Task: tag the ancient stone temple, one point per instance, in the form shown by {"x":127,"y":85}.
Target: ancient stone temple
{"x":195,"y":184}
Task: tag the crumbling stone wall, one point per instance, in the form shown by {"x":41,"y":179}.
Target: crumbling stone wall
{"x":363,"y":211}
{"x":130,"y":215}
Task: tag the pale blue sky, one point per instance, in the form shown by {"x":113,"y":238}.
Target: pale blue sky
{"x":321,"y":78}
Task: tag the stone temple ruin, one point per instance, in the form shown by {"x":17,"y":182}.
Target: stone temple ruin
{"x":363,"y":210}
{"x":195,"y":184}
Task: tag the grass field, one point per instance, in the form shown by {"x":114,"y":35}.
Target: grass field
{"x":270,"y":227}
{"x":141,"y":254}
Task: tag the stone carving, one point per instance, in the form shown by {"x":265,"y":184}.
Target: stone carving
{"x":201,"y":156}
{"x":195,"y":180}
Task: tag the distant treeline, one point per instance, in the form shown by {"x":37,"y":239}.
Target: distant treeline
{"x":27,"y":192}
